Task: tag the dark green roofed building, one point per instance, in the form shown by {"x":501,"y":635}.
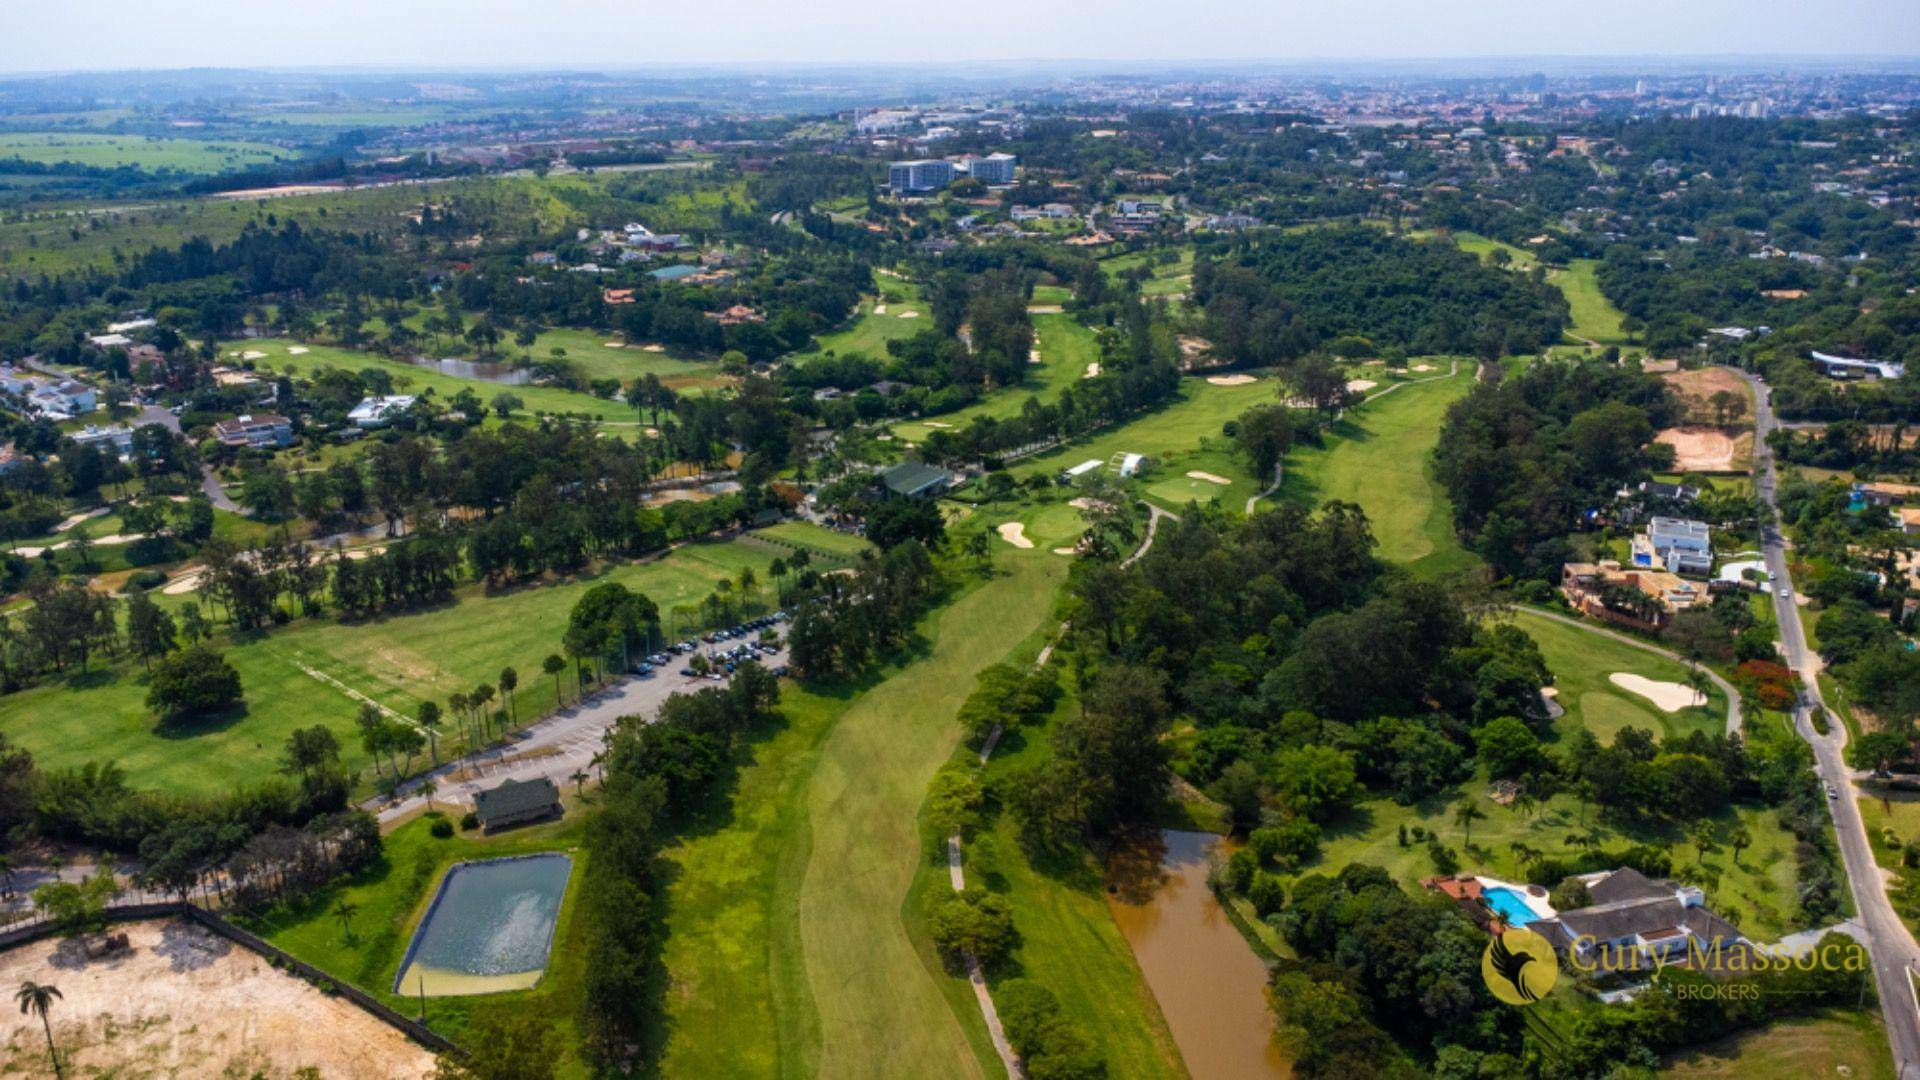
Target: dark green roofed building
{"x":915,"y":480}
{"x":515,"y":802}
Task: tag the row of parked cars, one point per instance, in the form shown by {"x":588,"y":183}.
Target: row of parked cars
{"x":724,"y":661}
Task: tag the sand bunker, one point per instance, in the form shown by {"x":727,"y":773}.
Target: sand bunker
{"x":938,"y":424}
{"x":1015,"y":533}
{"x":185,"y":1002}
{"x":1085,"y":503}
{"x":613,"y":344}
{"x":909,"y":314}
{"x":297,"y":350}
{"x":74,"y":519}
{"x":253,"y":354}
{"x":1067,"y":551}
{"x":1044,"y":309}
{"x":653,"y":348}
{"x":1231,"y":380}
{"x":185,"y":583}
{"x":1208,"y":477}
{"x":1093,"y":370}
{"x":879,"y":309}
{"x":1033,"y":356}
{"x":1421,"y":367}
{"x":1669,"y":696}
{"x":1700,"y":449}
{"x":1360,"y":386}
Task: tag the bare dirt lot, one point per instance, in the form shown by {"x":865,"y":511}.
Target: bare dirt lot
{"x":1696,"y":389}
{"x":1699,"y":448}
{"x":186,"y":1002}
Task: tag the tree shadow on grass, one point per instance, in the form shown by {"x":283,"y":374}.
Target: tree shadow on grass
{"x":206,"y":723}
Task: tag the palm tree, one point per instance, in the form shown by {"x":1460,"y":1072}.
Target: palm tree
{"x":1738,"y":840}
{"x":579,"y":779}
{"x":1464,"y":815}
{"x":428,"y":714}
{"x":457,"y":701}
{"x":509,"y":679}
{"x":553,"y":666}
{"x":36,"y":998}
{"x":481,"y":697}
{"x":345,"y":910}
{"x":428,"y":788}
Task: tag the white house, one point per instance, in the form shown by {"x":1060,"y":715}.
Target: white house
{"x":1683,"y":545}
{"x":117,"y":439}
{"x":376,"y":412}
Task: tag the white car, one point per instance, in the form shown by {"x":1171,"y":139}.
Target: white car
{"x":1786,"y":593}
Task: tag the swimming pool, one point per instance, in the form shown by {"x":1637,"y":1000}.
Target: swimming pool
{"x":1508,"y":904}
{"x":489,"y":928}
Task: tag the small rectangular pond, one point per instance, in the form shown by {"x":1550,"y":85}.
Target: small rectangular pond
{"x":489,"y":928}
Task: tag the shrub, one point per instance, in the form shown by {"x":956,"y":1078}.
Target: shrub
{"x":1268,"y":893}
{"x":1287,"y":844}
{"x":974,"y":921}
{"x":142,"y":580}
{"x":441,"y":829}
{"x":470,"y":820}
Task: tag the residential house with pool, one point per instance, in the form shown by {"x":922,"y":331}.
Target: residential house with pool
{"x":1630,"y":920}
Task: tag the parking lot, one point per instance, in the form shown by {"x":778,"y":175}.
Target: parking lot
{"x":563,"y":744}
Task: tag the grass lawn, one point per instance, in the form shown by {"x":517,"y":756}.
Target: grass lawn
{"x":1379,"y":456}
{"x":415,"y":379}
{"x":144,"y":151}
{"x":397,"y":661}
{"x":1482,"y":245}
{"x":594,"y":354}
{"x":871,"y":329}
{"x":1594,"y":316}
{"x":794,"y":905}
{"x":1066,"y":348}
{"x":817,"y":538}
{"x":392,"y":895}
{"x":1821,"y":1045}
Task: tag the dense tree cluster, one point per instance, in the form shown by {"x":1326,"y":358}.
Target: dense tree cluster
{"x":1524,"y":458}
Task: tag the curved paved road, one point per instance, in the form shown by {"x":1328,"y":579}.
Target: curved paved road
{"x":1890,"y":943}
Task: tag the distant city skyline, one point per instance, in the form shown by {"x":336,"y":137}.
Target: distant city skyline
{"x":95,"y":35}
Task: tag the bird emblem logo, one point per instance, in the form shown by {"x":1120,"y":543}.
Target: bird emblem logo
{"x":1519,"y":966}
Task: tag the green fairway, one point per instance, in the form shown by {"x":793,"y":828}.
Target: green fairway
{"x":144,"y":151}
{"x":796,"y":901}
{"x":416,"y":378}
{"x":300,"y":675}
{"x":1066,"y":348}
{"x":1581,"y":663}
{"x":1379,"y":455}
{"x":1068,"y":941}
{"x":390,"y":898}
{"x":1594,"y":316}
{"x":1182,"y":436}
{"x":905,"y":315}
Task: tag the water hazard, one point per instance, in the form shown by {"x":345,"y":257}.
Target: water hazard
{"x":489,"y":927}
{"x":482,"y":370}
{"x":1210,"y":985}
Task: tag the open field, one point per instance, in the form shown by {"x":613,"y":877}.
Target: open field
{"x":415,"y":378}
{"x":1379,"y":457}
{"x":396,"y":661}
{"x":184,"y":1001}
{"x":1483,"y":245}
{"x":593,"y":354}
{"x":821,"y":837}
{"x":391,"y":897}
{"x":1066,"y":348}
{"x":144,"y":151}
{"x":1837,"y":1044}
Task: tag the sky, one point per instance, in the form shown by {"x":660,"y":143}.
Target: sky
{"x":76,"y":35}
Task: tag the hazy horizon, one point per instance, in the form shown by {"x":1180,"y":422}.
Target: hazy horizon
{"x":510,"y":35}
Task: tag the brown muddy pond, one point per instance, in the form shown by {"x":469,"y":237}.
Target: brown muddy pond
{"x":1210,"y":985}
